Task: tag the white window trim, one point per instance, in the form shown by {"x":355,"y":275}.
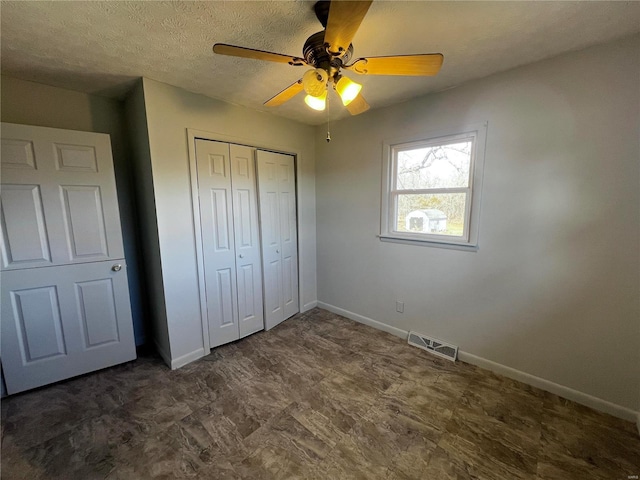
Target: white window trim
{"x":469,"y":240}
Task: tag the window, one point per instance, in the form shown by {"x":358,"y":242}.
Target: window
{"x":431,"y":189}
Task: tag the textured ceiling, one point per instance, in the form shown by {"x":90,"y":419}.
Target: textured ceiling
{"x":102,"y":47}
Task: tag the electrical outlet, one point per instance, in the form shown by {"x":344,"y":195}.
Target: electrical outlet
{"x":399,"y":307}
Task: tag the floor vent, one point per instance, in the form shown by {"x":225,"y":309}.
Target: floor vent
{"x":434,"y":346}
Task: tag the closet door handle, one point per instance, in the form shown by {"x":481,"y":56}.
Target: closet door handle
{"x":277,"y":251}
{"x":241,"y":256}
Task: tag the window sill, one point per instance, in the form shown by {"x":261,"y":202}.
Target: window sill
{"x":428,"y":243}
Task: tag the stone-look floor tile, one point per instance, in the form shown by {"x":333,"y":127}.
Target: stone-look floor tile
{"x":345,"y":394}
{"x":58,"y":410}
{"x":89,"y":450}
{"x":229,"y":420}
{"x":326,"y":425}
{"x":370,"y":450}
{"x":485,"y":458}
{"x":575,"y":446}
{"x":555,"y":406}
{"x":414,"y":439}
{"x":295,"y":370}
{"x":428,"y":371}
{"x":516,"y":409}
{"x":428,"y":407}
{"x":285,"y":432}
{"x":177,"y":452}
{"x":272,"y":462}
{"x":317,"y":397}
{"x":484,"y":442}
{"x":444,"y":466}
{"x":18,"y":462}
{"x":199,"y":388}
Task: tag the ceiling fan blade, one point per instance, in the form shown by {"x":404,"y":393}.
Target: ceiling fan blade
{"x":285,"y":95}
{"x":358,"y":105}
{"x":234,"y":51}
{"x":344,"y":19}
{"x":426,"y":64}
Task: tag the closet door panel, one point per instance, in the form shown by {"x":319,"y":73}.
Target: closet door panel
{"x":216,"y":219}
{"x":247,"y":245}
{"x":288,"y":235}
{"x":276,"y":184}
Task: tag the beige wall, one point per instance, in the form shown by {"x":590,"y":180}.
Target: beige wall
{"x":553,"y":290}
{"x":170,"y":111}
{"x":31,"y":103}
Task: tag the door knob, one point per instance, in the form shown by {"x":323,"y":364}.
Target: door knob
{"x":117,"y":267}
{"x":241,"y":256}
{"x":277,"y":251}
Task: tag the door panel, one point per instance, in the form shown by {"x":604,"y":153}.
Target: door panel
{"x":76,"y":158}
{"x":220,"y":219}
{"x":37,"y":315}
{"x":270,"y":221}
{"x":225,"y":297}
{"x":216,"y":220}
{"x":288,"y":235}
{"x":245,"y":221}
{"x":17,"y":154}
{"x":84,"y":220}
{"x":273,"y":292}
{"x":276,"y":184}
{"x":95,"y":302}
{"x":64,"y":321}
{"x":24,"y":233}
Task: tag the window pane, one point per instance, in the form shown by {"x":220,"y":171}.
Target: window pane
{"x":437,"y":214}
{"x":438,"y":166}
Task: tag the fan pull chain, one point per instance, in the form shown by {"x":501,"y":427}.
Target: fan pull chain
{"x":328,"y":118}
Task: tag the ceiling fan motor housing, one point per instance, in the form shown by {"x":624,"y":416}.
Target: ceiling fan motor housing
{"x":315,"y":53}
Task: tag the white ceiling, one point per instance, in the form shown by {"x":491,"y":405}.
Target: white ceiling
{"x":102,"y":47}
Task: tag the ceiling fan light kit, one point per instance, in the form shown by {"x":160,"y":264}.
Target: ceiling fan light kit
{"x":329,"y":51}
{"x":317,"y":102}
{"x":347,"y":89}
{"x":314,"y":82}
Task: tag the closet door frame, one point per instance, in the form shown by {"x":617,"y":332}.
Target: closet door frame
{"x":192,"y":135}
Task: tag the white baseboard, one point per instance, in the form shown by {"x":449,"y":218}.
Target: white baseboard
{"x":187,"y":358}
{"x":560,"y":390}
{"x":181,"y":361}
{"x":308,"y":306}
{"x":398,"y":332}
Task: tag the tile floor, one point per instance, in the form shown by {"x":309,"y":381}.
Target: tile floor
{"x":318,"y":397}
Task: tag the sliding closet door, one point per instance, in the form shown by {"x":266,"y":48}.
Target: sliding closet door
{"x":247,"y":240}
{"x":218,"y":245}
{"x":276,"y":184}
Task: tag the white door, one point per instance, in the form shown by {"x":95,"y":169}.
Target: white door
{"x":276,"y":184}
{"x":218,"y":243}
{"x":59,"y":217}
{"x":230,"y":240}
{"x":247,"y":240}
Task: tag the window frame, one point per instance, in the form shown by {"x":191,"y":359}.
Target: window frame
{"x":389,"y":197}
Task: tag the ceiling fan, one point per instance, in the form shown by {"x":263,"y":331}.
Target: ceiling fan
{"x":329,"y":51}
